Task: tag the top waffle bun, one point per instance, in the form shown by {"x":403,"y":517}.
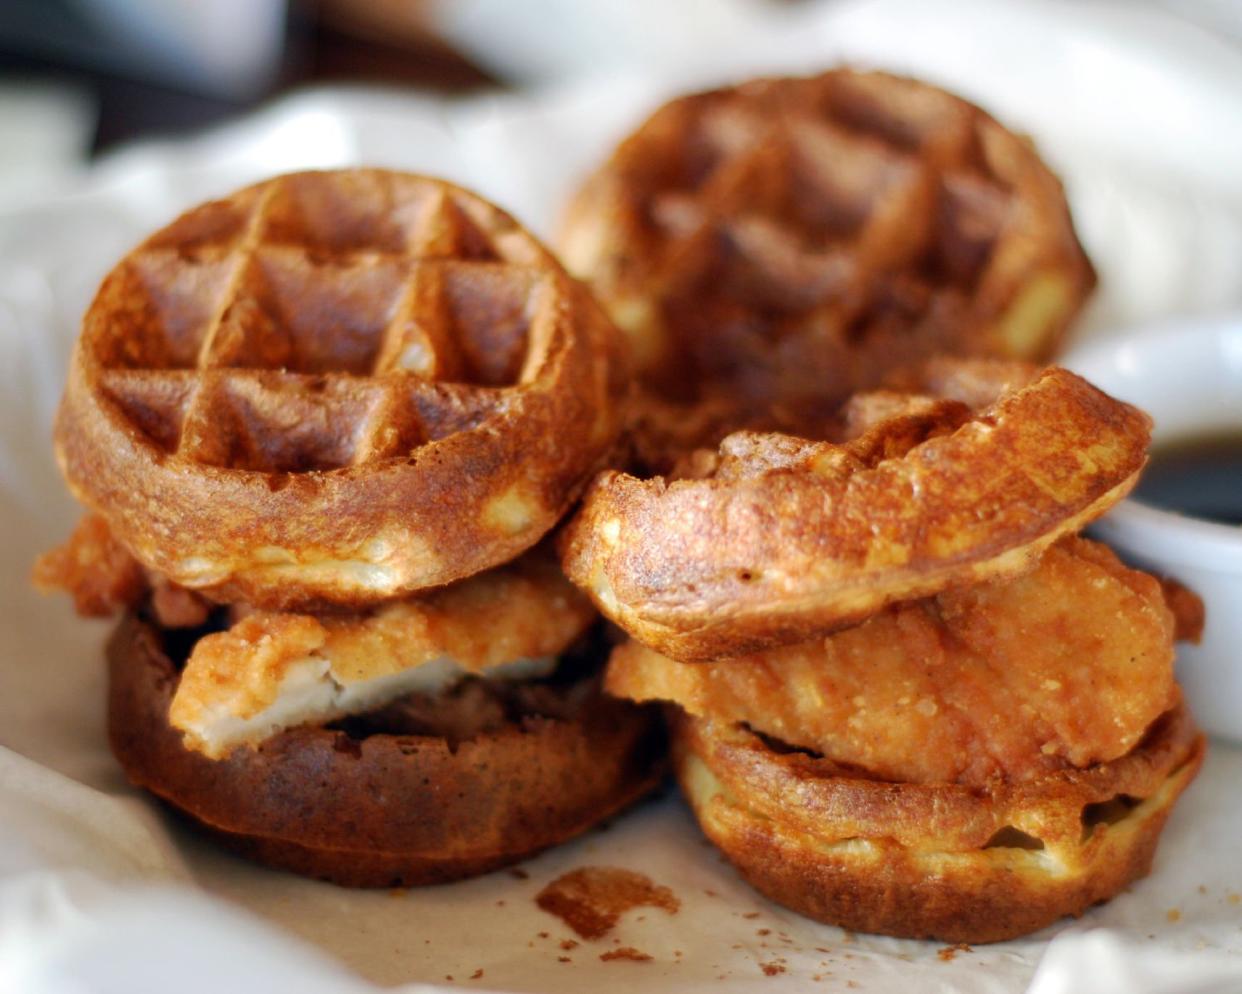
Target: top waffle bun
{"x":337,"y":387}
{"x":773,"y":539}
{"x":788,"y":241}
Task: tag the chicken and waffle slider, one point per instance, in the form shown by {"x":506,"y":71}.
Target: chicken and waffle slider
{"x":971,"y":728}
{"x":321,"y":427}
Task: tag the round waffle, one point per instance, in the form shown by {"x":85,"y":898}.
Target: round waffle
{"x":384,"y":810}
{"x":775,"y":539}
{"x":337,"y":387}
{"x":936,"y":861}
{"x":787,"y":241}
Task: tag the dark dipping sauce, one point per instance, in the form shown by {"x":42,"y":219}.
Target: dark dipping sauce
{"x":1200,"y":476}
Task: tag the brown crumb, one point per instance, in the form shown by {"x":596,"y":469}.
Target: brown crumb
{"x":625,"y":952}
{"x":517,"y":873}
{"x":821,"y":949}
{"x":772,"y":969}
{"x":544,"y":935}
{"x":751,"y":915}
{"x":948,"y":953}
{"x":710,"y":893}
{"x":477,"y":975}
{"x":592,"y":899}
{"x":500,"y":903}
{"x":763,"y":931}
{"x":563,"y":959}
{"x":448,"y":976}
{"x":1202,"y":889}
{"x":569,"y":943}
{"x":1173,"y":915}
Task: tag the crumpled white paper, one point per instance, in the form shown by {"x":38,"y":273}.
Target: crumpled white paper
{"x":101,"y":891}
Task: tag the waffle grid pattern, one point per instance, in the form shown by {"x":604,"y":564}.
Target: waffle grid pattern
{"x":774,"y":235}
{"x":312,"y":323}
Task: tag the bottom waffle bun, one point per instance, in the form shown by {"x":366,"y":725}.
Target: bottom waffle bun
{"x":378,"y":809}
{"x":935,"y":861}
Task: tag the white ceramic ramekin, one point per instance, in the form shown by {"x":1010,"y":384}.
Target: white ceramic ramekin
{"x":1188,"y":376}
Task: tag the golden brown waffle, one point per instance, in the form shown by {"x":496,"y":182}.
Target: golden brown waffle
{"x":788,"y":241}
{"x":337,"y":387}
{"x":381,"y":808}
{"x":776,"y":539}
{"x":944,"y":861}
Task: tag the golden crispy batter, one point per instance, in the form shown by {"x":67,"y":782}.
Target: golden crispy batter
{"x":104,"y":578}
{"x":271,"y":671}
{"x":381,"y":809}
{"x":782,"y":539}
{"x":789,"y":241}
{"x":944,"y":861}
{"x":1065,"y":666}
{"x":94,"y":568}
{"x":337,"y":387}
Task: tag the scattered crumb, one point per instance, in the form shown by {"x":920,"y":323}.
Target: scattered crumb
{"x":477,"y":975}
{"x":772,"y":969}
{"x":763,"y":931}
{"x":500,"y":903}
{"x":517,"y":873}
{"x":592,"y":899}
{"x":751,"y":915}
{"x":1235,"y":898}
{"x":821,"y":949}
{"x":563,"y":959}
{"x":569,"y":943}
{"x":948,"y":953}
{"x":710,"y":893}
{"x":851,"y":984}
{"x":625,"y":952}
{"x":544,"y":935}
{"x":448,"y":977}
{"x":1173,"y":915}
{"x":1202,"y":889}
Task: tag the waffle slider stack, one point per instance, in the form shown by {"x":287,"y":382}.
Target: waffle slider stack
{"x":321,"y":427}
{"x":905,"y":697}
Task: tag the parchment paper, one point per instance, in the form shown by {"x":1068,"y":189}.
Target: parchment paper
{"x":102,"y":891}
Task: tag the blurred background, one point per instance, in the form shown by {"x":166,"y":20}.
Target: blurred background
{"x":160,"y":103}
{"x":77,"y":77}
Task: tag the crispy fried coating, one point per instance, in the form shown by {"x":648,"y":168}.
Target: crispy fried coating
{"x":1062,"y":667}
{"x":275,"y":670}
{"x":94,"y":569}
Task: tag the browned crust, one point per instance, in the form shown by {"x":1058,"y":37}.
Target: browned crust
{"x":914,"y":860}
{"x":386,"y":810}
{"x":656,"y":279}
{"x":778,"y":552}
{"x":427,"y":503}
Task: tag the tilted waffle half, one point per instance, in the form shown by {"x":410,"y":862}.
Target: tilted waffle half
{"x":940,"y":861}
{"x":337,"y":387}
{"x":787,"y":241}
{"x":775,"y":539}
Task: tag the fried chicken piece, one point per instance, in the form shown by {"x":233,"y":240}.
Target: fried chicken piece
{"x":103,"y":579}
{"x":94,"y":568}
{"x":273,"y":670}
{"x":1064,"y":666}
